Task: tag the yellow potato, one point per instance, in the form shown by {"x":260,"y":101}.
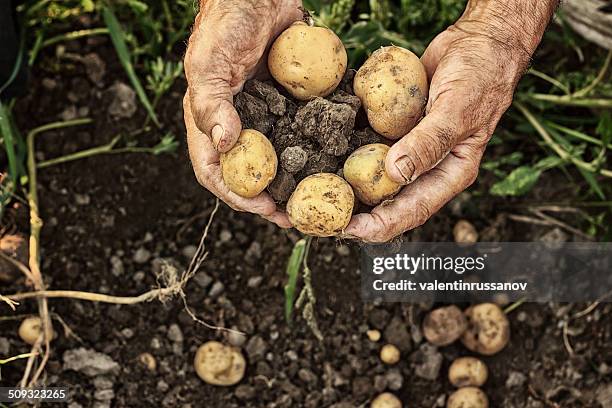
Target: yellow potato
{"x":386,"y":400}
{"x":444,"y":325}
{"x":31,"y":329}
{"x":488,"y":329}
{"x":468,"y":372}
{"x":321,"y":205}
{"x":307,"y":61}
{"x":468,"y":397}
{"x":250,"y":166}
{"x":365,"y":171}
{"x":218,"y":364}
{"x":389,"y":354}
{"x":392,"y":85}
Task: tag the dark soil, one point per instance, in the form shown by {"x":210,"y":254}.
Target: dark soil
{"x":111,"y":221}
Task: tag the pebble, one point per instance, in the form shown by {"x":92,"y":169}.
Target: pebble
{"x":291,"y":355}
{"x":175,"y":334}
{"x":89,"y":362}
{"x":256,"y":348}
{"x":95,"y":67}
{"x":5,"y":346}
{"x":380,"y":383}
{"x":253,"y":253}
{"x":515,"y":379}
{"x":202,"y":279}
{"x":245,"y":392}
{"x":604,"y":395}
{"x":139,"y":276}
{"x":155,"y":343}
{"x":307,"y":376}
{"x":104,"y":395}
{"x":225,"y":236}
{"x":236,"y":338}
{"x":141,"y":255}
{"x":429,"y":362}
{"x":127,"y":333}
{"x":82,"y":199}
{"x":117,"y":267}
{"x":216,"y":289}
{"x":397,"y":334}
{"x":254,"y":281}
{"x":102,"y":383}
{"x":189,"y":251}
{"x":162,"y":386}
{"x":123,"y":101}
{"x":343,"y":250}
{"x":394,"y":378}
{"x":362,"y":386}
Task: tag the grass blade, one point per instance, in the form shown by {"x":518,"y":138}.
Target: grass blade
{"x":293,"y":269}
{"x":117,"y":37}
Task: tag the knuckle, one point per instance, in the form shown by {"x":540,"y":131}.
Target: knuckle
{"x":421,"y":214}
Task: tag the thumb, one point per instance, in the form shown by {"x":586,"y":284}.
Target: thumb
{"x":424,"y":147}
{"x":213,"y":111}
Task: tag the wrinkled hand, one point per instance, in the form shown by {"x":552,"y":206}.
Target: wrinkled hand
{"x":227,"y":47}
{"x":472,"y":77}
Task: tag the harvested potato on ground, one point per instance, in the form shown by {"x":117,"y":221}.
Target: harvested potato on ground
{"x":468,"y":397}
{"x":307,"y":61}
{"x":389,"y":354}
{"x":373,"y":335}
{"x":392,"y":85}
{"x":488,"y":329}
{"x":386,"y":400}
{"x":444,"y":325}
{"x":250,"y":166}
{"x":31,"y":329}
{"x":365,"y":171}
{"x":218,"y":364}
{"x":465,"y":232}
{"x":468,"y":372}
{"x":321,"y":205}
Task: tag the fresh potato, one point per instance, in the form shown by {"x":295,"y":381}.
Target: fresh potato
{"x":218,"y":364}
{"x":389,"y":354}
{"x":465,"y":233}
{"x":468,"y":397}
{"x":31,"y":329}
{"x":321,"y":205}
{"x":392,"y":85}
{"x":307,"y":61}
{"x":365,"y":171}
{"x":386,"y":400}
{"x":444,"y":325}
{"x":468,"y":372}
{"x":488,"y":329}
{"x":250,"y":166}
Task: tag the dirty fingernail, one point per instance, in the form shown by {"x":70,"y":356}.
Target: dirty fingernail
{"x":217,"y":135}
{"x":406,"y":168}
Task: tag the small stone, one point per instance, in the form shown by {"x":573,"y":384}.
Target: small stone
{"x":428,"y":362}
{"x":254,"y":281}
{"x":216,"y":289}
{"x":307,"y":376}
{"x":141,"y":255}
{"x":102,"y":383}
{"x":104,"y":395}
{"x":189,"y":251}
{"x":82,"y":199}
{"x":256,"y":348}
{"x":245,"y":392}
{"x":293,"y":159}
{"x":139,"y":276}
{"x":95,"y":67}
{"x":394,"y":378}
{"x":292,"y":355}
{"x":162,"y":386}
{"x":225,"y":236}
{"x":235,"y":338}
{"x":127,"y":333}
{"x":380,"y":383}
{"x":123,"y":101}
{"x":5,"y":346}
{"x":117,"y":267}
{"x":89,"y":362}
{"x":343,"y":250}
{"x":175,"y":334}
{"x":604,"y":395}
{"x":49,"y":84}
{"x":155,"y":343}
{"x":515,"y":379}
{"x":397,"y":334}
{"x":202,"y":279}
{"x":253,"y":253}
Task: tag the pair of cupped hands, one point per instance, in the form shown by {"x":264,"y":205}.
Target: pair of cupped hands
{"x":472,"y":78}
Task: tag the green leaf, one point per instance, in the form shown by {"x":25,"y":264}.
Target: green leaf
{"x":118,"y":38}
{"x":293,"y":269}
{"x":520,"y":181}
{"x":593,"y":183}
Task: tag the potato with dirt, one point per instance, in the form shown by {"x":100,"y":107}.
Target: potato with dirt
{"x":488,"y":329}
{"x":386,"y":400}
{"x":31,"y":329}
{"x":393,"y":88}
{"x":468,"y":372}
{"x":444,"y":325}
{"x":250,"y":166}
{"x":365,"y":171}
{"x":321,"y":205}
{"x":468,"y":397}
{"x":307,"y":61}
{"x":218,"y":364}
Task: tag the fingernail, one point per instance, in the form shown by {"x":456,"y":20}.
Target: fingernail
{"x":217,"y":135}
{"x":406,"y":168}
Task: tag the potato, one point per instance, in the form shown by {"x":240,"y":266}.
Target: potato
{"x":321,"y":205}
{"x":307,"y":61}
{"x":488,"y":329}
{"x":468,"y":372}
{"x":392,"y":85}
{"x":444,"y":325}
{"x":389,"y":354}
{"x":468,"y":397}
{"x":218,"y":364}
{"x":465,"y":233}
{"x":386,"y":400}
{"x":365,"y":171}
{"x":31,"y":329}
{"x":250,"y":166}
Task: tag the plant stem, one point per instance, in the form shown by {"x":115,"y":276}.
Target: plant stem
{"x":602,"y":74}
{"x":550,"y":80}
{"x":577,"y":135}
{"x":569,"y":100}
{"x":73,"y":35}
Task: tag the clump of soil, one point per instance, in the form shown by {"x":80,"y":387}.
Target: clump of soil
{"x":309,"y":137}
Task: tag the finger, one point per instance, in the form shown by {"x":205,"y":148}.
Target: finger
{"x":427,"y":144}
{"x":279,"y":218}
{"x":211,"y":93}
{"x":205,"y":161}
{"x":421,"y":199}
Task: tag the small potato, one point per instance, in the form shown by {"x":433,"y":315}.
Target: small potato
{"x":468,"y":397}
{"x":465,"y":233}
{"x":468,"y":372}
{"x":307,"y":61}
{"x":389,"y":354}
{"x":386,"y":400}
{"x":365,"y":171}
{"x":218,"y":364}
{"x":250,"y":166}
{"x":31,"y":329}
{"x":392,"y":85}
{"x":321,"y":205}
{"x":488,"y":329}
{"x":444,"y":325}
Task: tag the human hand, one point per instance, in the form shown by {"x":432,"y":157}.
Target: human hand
{"x":227,"y":47}
{"x":473,"y":68}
